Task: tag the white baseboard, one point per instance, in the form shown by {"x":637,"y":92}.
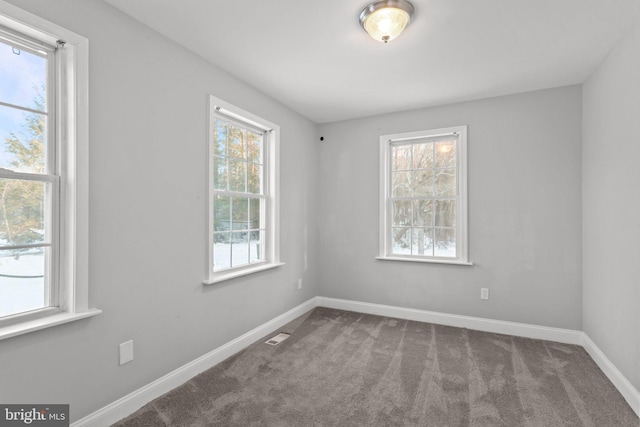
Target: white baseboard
{"x":566,"y":336}
{"x":628,"y":391}
{"x":130,"y":403}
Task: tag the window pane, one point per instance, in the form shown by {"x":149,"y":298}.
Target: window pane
{"x":423,"y":156}
{"x":254,"y":179}
{"x":237,"y":139}
{"x":221,"y":251}
{"x":401,"y":157}
{"x":22,"y":140}
{"x":445,"y":213}
{"x":401,"y":184}
{"x":401,"y":212}
{"x":254,"y":147}
{"x":423,"y":213}
{"x":22,"y":280}
{"x":221,"y":210}
{"x":421,"y":171}
{"x":22,"y":209}
{"x":220,"y":138}
{"x":256,"y":239}
{"x":445,"y":182}
{"x":220,"y":168}
{"x":445,"y":242}
{"x":237,"y":175}
{"x":239,"y":213}
{"x":239,"y":248}
{"x":23,"y":76}
{"x":422,"y":243}
{"x":401,"y":240}
{"x":254,"y":213}
{"x":446,"y":154}
{"x":248,"y":155}
{"x":423,"y":180}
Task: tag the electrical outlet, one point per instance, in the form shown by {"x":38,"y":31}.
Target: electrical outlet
{"x":126,"y":352}
{"x":484,"y":293}
{"x":299,"y":284}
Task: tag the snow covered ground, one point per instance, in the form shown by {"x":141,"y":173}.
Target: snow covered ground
{"x":224,"y":253}
{"x":21,"y":294}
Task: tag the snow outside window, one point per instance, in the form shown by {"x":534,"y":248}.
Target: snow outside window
{"x":423,"y":196}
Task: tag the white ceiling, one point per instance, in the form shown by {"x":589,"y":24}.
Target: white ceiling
{"x":314,"y":57}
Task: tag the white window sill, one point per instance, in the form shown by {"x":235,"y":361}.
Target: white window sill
{"x":44,"y":322}
{"x":424,"y":260}
{"x":221,"y":277}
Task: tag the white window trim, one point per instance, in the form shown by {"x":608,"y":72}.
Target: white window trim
{"x":73,"y":296}
{"x":272,"y":252}
{"x":462,"y":232}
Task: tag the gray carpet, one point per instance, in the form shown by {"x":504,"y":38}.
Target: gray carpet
{"x":341,"y":368}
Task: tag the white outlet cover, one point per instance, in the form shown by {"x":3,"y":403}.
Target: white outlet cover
{"x":126,"y":352}
{"x":484,"y":293}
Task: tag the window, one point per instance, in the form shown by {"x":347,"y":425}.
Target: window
{"x":423,"y":201}
{"x":243,"y":193}
{"x":43,"y":174}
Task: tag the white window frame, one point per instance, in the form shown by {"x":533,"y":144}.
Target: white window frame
{"x":70,"y":273}
{"x":226,"y":110}
{"x":462,"y":228}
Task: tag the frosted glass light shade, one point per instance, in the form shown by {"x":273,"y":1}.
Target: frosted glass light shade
{"x":385,"y":20}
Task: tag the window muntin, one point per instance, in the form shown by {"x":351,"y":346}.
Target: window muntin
{"x":243,"y":193}
{"x":64,"y":172}
{"x":29,"y":181}
{"x":423,"y":199}
{"x":239,"y":202}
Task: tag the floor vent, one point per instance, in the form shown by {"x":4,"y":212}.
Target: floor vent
{"x":277,"y":339}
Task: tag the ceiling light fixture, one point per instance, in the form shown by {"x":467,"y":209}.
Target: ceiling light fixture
{"x":384,"y":20}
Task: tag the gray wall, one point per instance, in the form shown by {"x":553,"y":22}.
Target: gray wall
{"x":611,"y":206}
{"x":148,"y":230}
{"x":524,"y":204}
{"x":148,"y":177}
